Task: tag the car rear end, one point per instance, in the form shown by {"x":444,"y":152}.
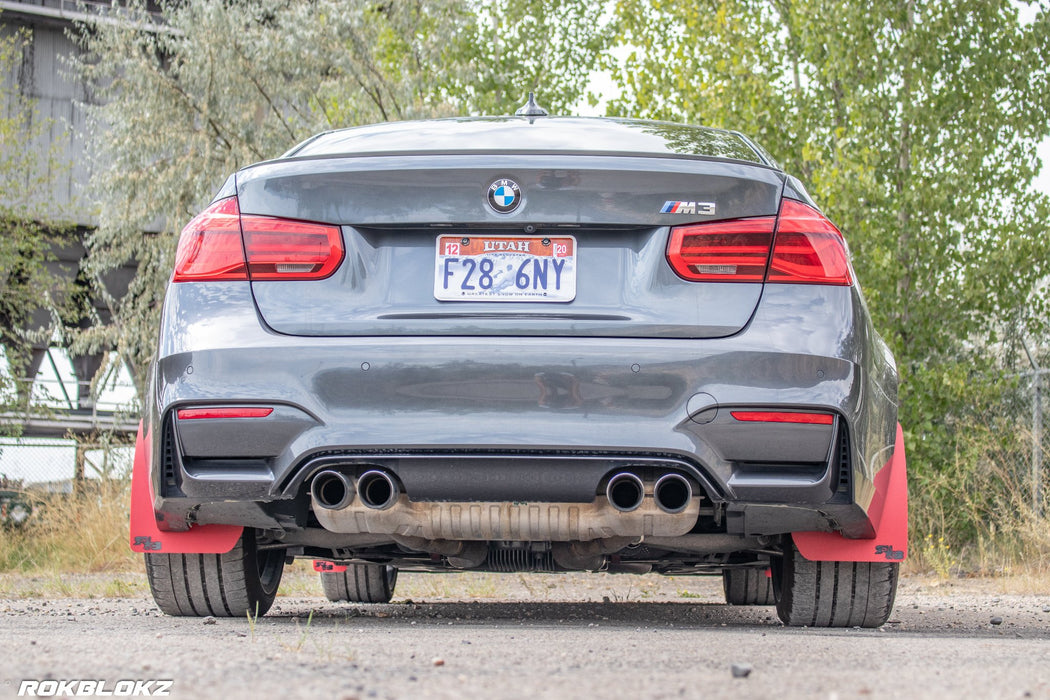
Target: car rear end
{"x":515,"y":344}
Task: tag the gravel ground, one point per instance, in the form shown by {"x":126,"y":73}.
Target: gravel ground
{"x":535,"y":636}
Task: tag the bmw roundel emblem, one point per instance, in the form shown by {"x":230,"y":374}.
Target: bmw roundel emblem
{"x":504,"y":195}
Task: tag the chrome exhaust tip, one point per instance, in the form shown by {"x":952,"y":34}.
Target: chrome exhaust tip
{"x":672,"y":493}
{"x":625,"y":492}
{"x":332,"y":490}
{"x":377,"y":489}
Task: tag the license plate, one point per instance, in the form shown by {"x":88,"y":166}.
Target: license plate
{"x":505,"y":268}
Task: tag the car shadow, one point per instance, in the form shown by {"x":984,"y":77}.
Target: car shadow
{"x":619,"y":613}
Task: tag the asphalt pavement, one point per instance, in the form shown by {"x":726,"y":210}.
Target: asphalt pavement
{"x":515,"y":636}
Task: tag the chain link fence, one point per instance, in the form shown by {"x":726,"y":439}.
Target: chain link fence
{"x":985,"y":506}
{"x":55,"y":466}
{"x":33,"y":470}
{"x":1015,"y":447}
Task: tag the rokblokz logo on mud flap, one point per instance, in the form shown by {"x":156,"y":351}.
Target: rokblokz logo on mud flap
{"x":83,"y":688}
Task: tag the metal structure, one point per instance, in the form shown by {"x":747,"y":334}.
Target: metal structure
{"x":1037,"y":432}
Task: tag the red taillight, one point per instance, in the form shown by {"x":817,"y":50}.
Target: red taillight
{"x":281,"y":249}
{"x":230,"y":412}
{"x":783,"y":417}
{"x":808,"y":249}
{"x":210,"y":245}
{"x":214,"y":244}
{"x":722,"y":251}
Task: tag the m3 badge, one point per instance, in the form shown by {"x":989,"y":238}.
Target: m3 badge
{"x":679,"y":207}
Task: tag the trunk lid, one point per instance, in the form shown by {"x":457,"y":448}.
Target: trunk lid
{"x":617,"y":209}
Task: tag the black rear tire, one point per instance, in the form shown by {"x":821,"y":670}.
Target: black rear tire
{"x":833,"y":593}
{"x":360,"y":583}
{"x":747,"y":587}
{"x":241,"y":582}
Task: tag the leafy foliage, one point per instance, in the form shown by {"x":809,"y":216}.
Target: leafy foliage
{"x":914,"y":123}
{"x":547,"y":46}
{"x":219,"y":85}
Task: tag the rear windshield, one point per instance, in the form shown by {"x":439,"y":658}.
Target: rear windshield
{"x":542,"y":135}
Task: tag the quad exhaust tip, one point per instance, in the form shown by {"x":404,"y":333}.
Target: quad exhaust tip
{"x":625,"y":492}
{"x":332,"y":490}
{"x":672,"y":493}
{"x":377,"y":489}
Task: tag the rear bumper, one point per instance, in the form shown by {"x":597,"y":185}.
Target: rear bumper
{"x":523,"y":419}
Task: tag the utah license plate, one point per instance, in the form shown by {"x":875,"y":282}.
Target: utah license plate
{"x":505,"y":268}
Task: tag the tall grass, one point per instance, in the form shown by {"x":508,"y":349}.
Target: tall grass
{"x":79,"y":533}
{"x":977,"y":515}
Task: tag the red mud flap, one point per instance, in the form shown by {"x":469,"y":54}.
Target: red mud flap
{"x":147,"y":537}
{"x":322,"y":566}
{"x":888,"y":512}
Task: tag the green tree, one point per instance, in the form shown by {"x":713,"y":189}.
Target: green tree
{"x":215,"y":86}
{"x":547,"y":46}
{"x":914,"y":124}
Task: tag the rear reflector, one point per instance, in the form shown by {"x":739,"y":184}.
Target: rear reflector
{"x":808,"y":248}
{"x":722,"y":251}
{"x":783,"y":417}
{"x":220,"y":244}
{"x":232,"y":412}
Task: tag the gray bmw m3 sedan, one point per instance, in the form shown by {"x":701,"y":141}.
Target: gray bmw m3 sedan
{"x":522,"y":343}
